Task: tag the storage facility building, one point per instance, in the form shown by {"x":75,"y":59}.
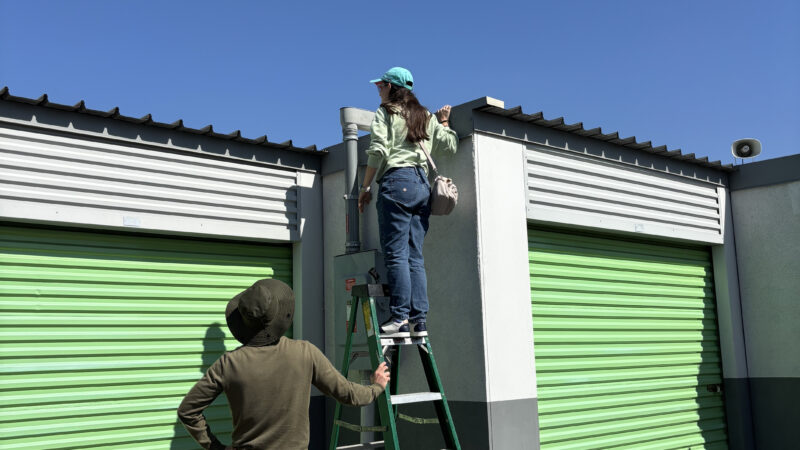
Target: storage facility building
{"x":121,"y":241}
{"x":585,"y":292}
{"x":597,"y":264}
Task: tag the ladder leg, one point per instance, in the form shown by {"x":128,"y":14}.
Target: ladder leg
{"x":394,"y":371}
{"x":435,"y":385}
{"x":348,"y":346}
{"x":345,"y":370}
{"x":385,"y":409}
{"x":335,"y":429}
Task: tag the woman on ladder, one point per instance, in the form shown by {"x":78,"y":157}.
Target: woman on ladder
{"x":400,"y":166}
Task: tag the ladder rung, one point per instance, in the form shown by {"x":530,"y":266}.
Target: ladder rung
{"x":358,"y":354}
{"x":359,"y":428}
{"x":366,"y":445}
{"x":403,"y":341}
{"x":400,"y":399}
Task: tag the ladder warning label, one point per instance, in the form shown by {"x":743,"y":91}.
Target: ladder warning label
{"x":347,"y":322}
{"x":367,"y":322}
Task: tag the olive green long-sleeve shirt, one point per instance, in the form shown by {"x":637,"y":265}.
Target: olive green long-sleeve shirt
{"x":268,"y":390}
{"x":389,"y":147}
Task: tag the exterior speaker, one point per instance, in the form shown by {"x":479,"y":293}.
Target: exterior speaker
{"x":746,"y":148}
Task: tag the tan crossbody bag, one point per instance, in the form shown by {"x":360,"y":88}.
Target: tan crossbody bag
{"x":444,"y":193}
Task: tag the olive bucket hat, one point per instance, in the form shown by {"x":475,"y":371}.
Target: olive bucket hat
{"x":398,"y":76}
{"x":262,"y":313}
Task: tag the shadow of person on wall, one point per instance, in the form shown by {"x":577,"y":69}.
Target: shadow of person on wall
{"x":213,"y":348}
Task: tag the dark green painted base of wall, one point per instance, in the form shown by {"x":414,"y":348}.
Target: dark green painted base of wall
{"x":774,"y":424}
{"x":738,"y":415}
{"x":762,"y":413}
{"x":349,"y":415}
{"x":316,"y":419}
{"x":512,"y":425}
{"x":776,"y":412}
{"x":470,"y":419}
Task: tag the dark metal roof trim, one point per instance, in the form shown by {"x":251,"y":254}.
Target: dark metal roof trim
{"x":596,"y":133}
{"x":113,"y":113}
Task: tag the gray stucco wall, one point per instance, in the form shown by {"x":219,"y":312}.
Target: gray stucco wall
{"x":766,"y":218}
{"x":456,"y":311}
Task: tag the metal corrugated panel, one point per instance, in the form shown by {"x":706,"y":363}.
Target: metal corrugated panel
{"x":147,"y":120}
{"x":50,"y":177}
{"x":101,"y":335}
{"x":578,"y":190}
{"x":597,"y":133}
{"x":626,"y":344}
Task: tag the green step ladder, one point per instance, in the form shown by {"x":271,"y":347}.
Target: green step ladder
{"x":382,"y":349}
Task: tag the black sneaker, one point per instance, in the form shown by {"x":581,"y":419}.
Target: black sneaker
{"x":419,"y":329}
{"x":390,"y":328}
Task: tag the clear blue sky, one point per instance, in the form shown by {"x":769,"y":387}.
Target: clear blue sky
{"x":693,"y":75}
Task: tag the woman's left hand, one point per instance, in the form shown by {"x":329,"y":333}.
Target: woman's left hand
{"x":363,"y":200}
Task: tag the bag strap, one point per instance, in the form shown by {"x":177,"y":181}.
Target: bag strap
{"x":430,"y":160}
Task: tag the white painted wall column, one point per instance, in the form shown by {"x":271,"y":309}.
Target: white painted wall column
{"x":505,"y":292}
{"x":731,"y":332}
{"x":307,"y":260}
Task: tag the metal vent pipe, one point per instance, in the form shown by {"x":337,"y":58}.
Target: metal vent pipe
{"x":352,"y":120}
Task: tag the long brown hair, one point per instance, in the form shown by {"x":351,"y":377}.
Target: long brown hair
{"x":416,"y":115}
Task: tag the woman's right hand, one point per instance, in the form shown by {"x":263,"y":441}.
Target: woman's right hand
{"x":444,"y":113}
{"x":363,"y":200}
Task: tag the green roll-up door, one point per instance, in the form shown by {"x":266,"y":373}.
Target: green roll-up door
{"x":626,"y":344}
{"x":102,"y":334}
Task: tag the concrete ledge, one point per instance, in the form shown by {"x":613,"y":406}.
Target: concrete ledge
{"x":765,"y":173}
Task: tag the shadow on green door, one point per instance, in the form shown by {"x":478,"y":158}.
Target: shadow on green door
{"x":213,"y":348}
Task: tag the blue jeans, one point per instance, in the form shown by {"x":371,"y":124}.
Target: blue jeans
{"x":403,"y":212}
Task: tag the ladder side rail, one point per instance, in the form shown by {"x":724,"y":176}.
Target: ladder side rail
{"x":345,"y":370}
{"x":394,"y":373}
{"x":376,"y":357}
{"x":435,"y":385}
{"x":348,"y":345}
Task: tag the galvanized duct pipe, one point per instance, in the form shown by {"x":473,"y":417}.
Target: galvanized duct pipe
{"x":352,"y":120}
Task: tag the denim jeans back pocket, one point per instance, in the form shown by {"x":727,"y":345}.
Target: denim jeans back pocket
{"x":403,"y":191}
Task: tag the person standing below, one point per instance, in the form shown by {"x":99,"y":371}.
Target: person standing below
{"x":400,"y":166}
{"x":268,"y":379}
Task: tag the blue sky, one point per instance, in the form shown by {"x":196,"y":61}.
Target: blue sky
{"x":693,"y":75}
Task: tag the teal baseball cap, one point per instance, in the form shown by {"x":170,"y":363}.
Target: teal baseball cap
{"x":398,"y":76}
